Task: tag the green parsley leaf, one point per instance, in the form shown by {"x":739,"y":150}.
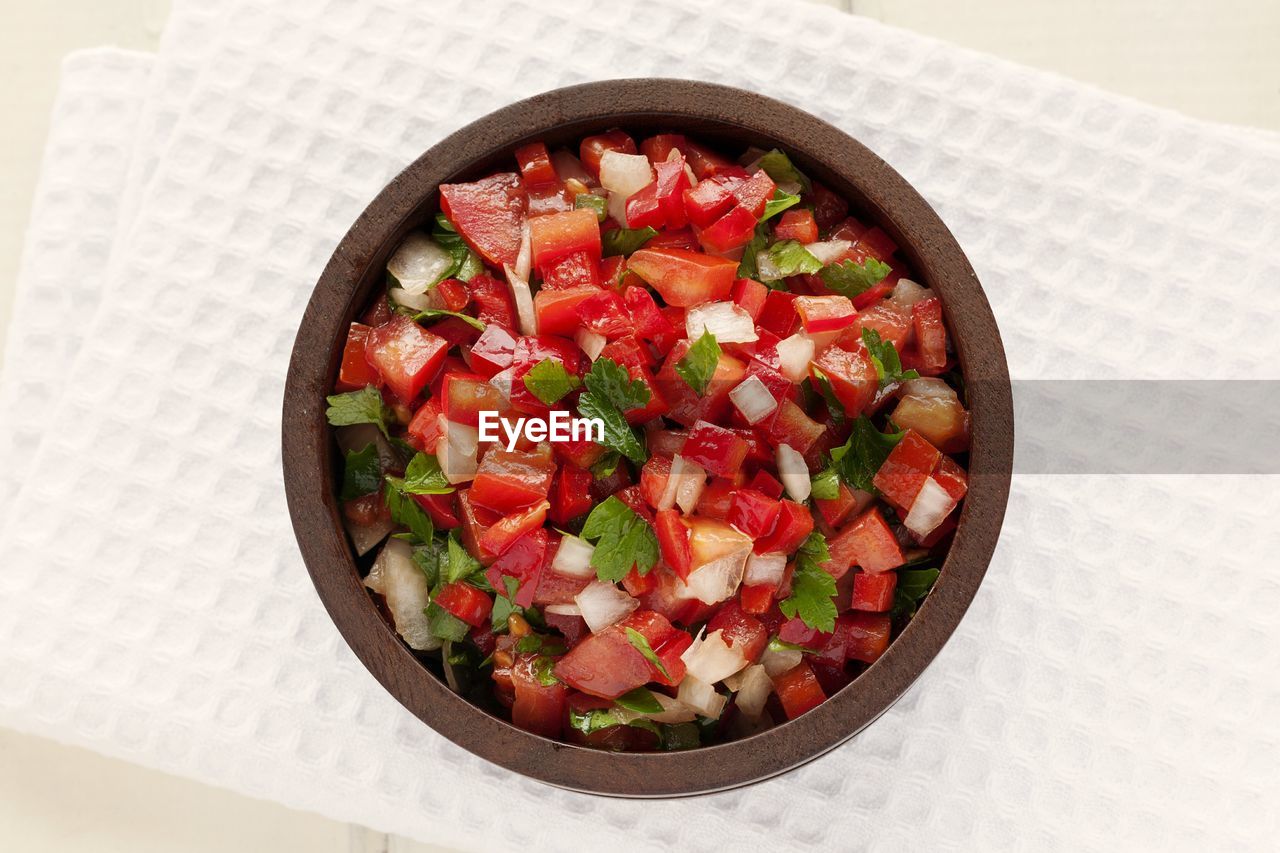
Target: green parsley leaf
{"x":622,"y":539}
{"x":640,"y":700}
{"x":859,"y":458}
{"x":699,"y":363}
{"x":437,"y":313}
{"x":610,"y":392}
{"x":821,"y":383}
{"x":885,"y":357}
{"x":549,"y":381}
{"x":779,"y":167}
{"x":777,"y":644}
{"x":593,"y":202}
{"x":618,"y":434}
{"x":428,"y":557}
{"x":780,"y":202}
{"x":594,"y":720}
{"x":358,"y":407}
{"x":362,"y":473}
{"x":812,"y":587}
{"x":747,"y":267}
{"x":606,"y":465}
{"x":544,"y":667}
{"x":424,"y":477}
{"x":786,"y":259}
{"x":624,"y":241}
{"x":677,"y":736}
{"x":850,"y":279}
{"x":405,"y":511}
{"x":826,"y":485}
{"x":466,"y":263}
{"x":642,"y":646}
{"x":443,"y":624}
{"x":504,"y":605}
{"x":913,"y":586}
{"x":458,"y":563}
{"x":612,"y":382}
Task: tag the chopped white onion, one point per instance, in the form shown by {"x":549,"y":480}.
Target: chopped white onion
{"x":791,"y":187}
{"x":603,"y":604}
{"x":715,"y":581}
{"x":592,"y":343}
{"x":365,"y":536}
{"x":726,"y":320}
{"x":573,"y":558}
{"x":828,"y":251}
{"x":907,"y":293}
{"x":701,"y":697}
{"x":932,"y":504}
{"x":625,"y":174}
{"x":562,"y":610}
{"x":766,"y":268}
{"x":419,"y":263}
{"x":753,"y":399}
{"x":765,"y":569}
{"x":753,"y":691}
{"x":617,"y":207}
{"x":794,"y":473}
{"x":777,"y":662}
{"x":712,"y":659}
{"x":456,"y":451}
{"x":568,"y":167}
{"x":502,"y":380}
{"x":524,"y":258}
{"x":795,"y":353}
{"x":523,"y":298}
{"x":404,"y":587}
{"x":416,"y":301}
{"x":689,"y":486}
{"x":673,"y":710}
{"x":668,"y":497}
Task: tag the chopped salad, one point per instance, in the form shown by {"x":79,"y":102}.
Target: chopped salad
{"x":775,"y":471}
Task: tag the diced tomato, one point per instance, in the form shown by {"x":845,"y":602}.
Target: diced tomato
{"x":740,"y":630}
{"x":405,"y":355}
{"x":489,"y":214}
{"x":905,"y":469}
{"x":674,"y":542}
{"x":767,"y":484}
{"x":793,"y":526}
{"x":658,"y":148}
{"x":791,"y":426}
{"x":538,"y":708}
{"x":560,"y":235}
{"x":553,"y":587}
{"x":684,"y":278}
{"x":798,"y":690}
{"x":715,"y":448}
{"x":492,"y":352}
{"x":465,"y":602}
{"x":524,"y":561}
{"x":837,"y":509}
{"x":866,"y":635}
{"x":797,"y":224}
{"x":828,"y":207}
{"x":733,"y":229}
{"x":889,"y":320}
{"x":475,"y":521}
{"x":441,"y":508}
{"x":606,"y":664}
{"x":931,"y":335}
{"x":378,"y":312}
{"x":579,"y":452}
{"x":671,"y":183}
{"x":867,"y":542}
{"x":852,"y":375}
{"x":603,"y":487}
{"x":572,"y":628}
{"x":669,"y":652}
{"x":779,"y":313}
{"x":425,"y":430}
{"x":825,"y":313}
{"x":753,"y":193}
{"x":557,"y":310}
{"x":577,"y":269}
{"x":532,"y":350}
{"x":604,"y":313}
{"x":779,"y":386}
{"x":716,"y":498}
{"x":877,"y":244}
{"x":669,"y":596}
{"x":535,"y":164}
{"x":570,"y":494}
{"x":752,"y":512}
{"x":467,"y":395}
{"x":635,"y":502}
{"x":499,"y":538}
{"x":756,"y":598}
{"x":493,"y":301}
{"x":643,"y":210}
{"x":704,"y":161}
{"x":951,"y":477}
{"x":873,"y":593}
{"x":356,"y":372}
{"x":366,"y":509}
{"x":637,"y":584}
{"x":454,"y":293}
{"x":646,"y":319}
{"x":707,"y":202}
{"x":611,"y":272}
{"x":940,"y":419}
{"x":593,"y":148}
{"x":510,"y":480}
{"x":653,"y":478}
{"x":750,"y":295}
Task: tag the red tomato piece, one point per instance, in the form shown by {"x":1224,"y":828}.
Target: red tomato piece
{"x":905,"y":469}
{"x":606,"y":664}
{"x":931,"y":335}
{"x":570,"y":494}
{"x":793,"y":526}
{"x":754,"y":192}
{"x":868,"y":543}
{"x":593,"y":148}
{"x":603,"y":312}
{"x":578,"y":269}
{"x":779,"y":313}
{"x":797,"y":224}
{"x":828,"y":207}
{"x":798,"y":690}
{"x":658,"y":148}
{"x":668,"y":597}
{"x":510,"y":480}
{"x":643,"y":209}
{"x":535,"y":164}
{"x":730,"y":231}
{"x":493,"y":301}
{"x":646,"y":319}
{"x":684,"y":278}
{"x":951,"y":477}
{"x":716,"y":498}
{"x":670,"y":185}
{"x":750,"y":295}
{"x":653,"y":478}
{"x":425,"y":429}
{"x":740,"y":630}
{"x":877,"y":244}
{"x":356,"y":372}
{"x":825,"y":313}
{"x":757,"y":598}
{"x":499,"y":538}
{"x":637,"y":584}
{"x":557,"y":310}
{"x":852,"y":375}
{"x":707,"y":202}
{"x":441,"y":508}
{"x":530,"y":351}
{"x":538,"y":708}
{"x":669,"y":652}
{"x":454,"y":294}
{"x":873,"y":593}
{"x":790,"y":425}
{"x":492,"y":352}
{"x":489,"y":214}
{"x":674,"y":542}
{"x":866,"y":635}
{"x":686,"y":407}
{"x":465,"y":602}
{"x":837,"y":509}
{"x":523,"y":561}
{"x":767,"y":484}
{"x":405,"y":355}
{"x":704,"y":161}
{"x":467,"y":395}
{"x":892,"y":322}
{"x":752,"y":512}
{"x":715,"y":448}
{"x":559,"y":235}
{"x":475,"y":521}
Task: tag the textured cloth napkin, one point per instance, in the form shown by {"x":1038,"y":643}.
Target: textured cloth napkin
{"x":1114,"y":685}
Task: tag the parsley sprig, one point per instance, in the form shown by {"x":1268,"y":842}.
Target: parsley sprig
{"x":812,"y":587}
{"x":885,"y":357}
{"x":622,"y":539}
{"x":610,"y":392}
{"x":365,"y":406}
{"x":699,"y":364}
{"x":549,"y":381}
{"x":852,"y":279}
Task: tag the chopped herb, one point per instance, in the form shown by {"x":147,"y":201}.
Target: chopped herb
{"x":677,"y":736}
{"x":851,"y":279}
{"x":362,"y":473}
{"x":443,"y":624}
{"x":624,"y":241}
{"x":859,"y":458}
{"x":913,"y":586}
{"x":504,"y":605}
{"x":885,"y":357}
{"x":466,"y":263}
{"x":640,"y":700}
{"x":622,"y":539}
{"x":780,"y":202}
{"x":436,"y":313}
{"x":606,"y":465}
{"x":821,"y":383}
{"x":699,"y":363}
{"x":747,"y":267}
{"x":777,"y":644}
{"x":365,"y":406}
{"x":642,"y":646}
{"x":429,"y":557}
{"x":826,"y":485}
{"x":405,"y":511}
{"x":544,"y":668}
{"x":593,"y":202}
{"x":789,"y":258}
{"x":458,"y":564}
{"x":610,"y":392}
{"x":812,"y":587}
{"x":549,"y":381}
{"x":423,"y":477}
{"x":779,"y":167}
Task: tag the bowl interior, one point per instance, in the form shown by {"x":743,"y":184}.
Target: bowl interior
{"x":731,"y":120}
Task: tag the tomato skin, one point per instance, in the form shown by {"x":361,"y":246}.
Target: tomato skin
{"x":653,"y":478}
{"x":670,"y":184}
{"x":793,"y":526}
{"x":798,"y":690}
{"x":876,"y":243}
{"x":492,"y":352}
{"x":790,"y":425}
{"x":441,"y":508}
{"x":570,"y":494}
{"x":523,"y":560}
{"x":535,"y":164}
{"x":557,"y":310}
{"x":578,"y":269}
{"x":475,"y":521}
{"x":493,"y":301}
{"x":825,"y":313}
{"x":931,"y":335}
{"x":752,"y":512}
{"x":424,"y":429}
{"x":716,"y":449}
{"x":837,"y":509}
{"x":684,"y":278}
{"x":603,"y":312}
{"x":605,"y":664}
{"x":889,"y":320}
{"x":733,"y":229}
{"x":740,"y":630}
{"x":559,"y":235}
{"x":669,"y":652}
{"x":867,"y":542}
{"x":707,"y":202}
{"x":593,"y":148}
{"x":779,"y":313}
{"x":753,"y":193}
{"x":674,"y":542}
{"x":951,"y":477}
{"x":705,"y":162}
{"x":356,"y":372}
{"x":905,"y":469}
{"x":511,"y":480}
{"x":866,"y":635}
{"x":489,"y":214}
{"x":465,"y":396}
{"x":658,"y":147}
{"x":797,"y":224}
{"x":465,"y":602}
{"x":852,"y":376}
{"x":767,"y":484}
{"x":756,"y":598}
{"x":873,"y":593}
{"x":538,"y":708}
{"x":499,"y":538}
{"x":750,"y":295}
{"x":646,"y":319}
{"x":405,"y":355}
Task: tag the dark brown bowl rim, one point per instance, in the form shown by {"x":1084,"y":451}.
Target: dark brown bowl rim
{"x":701,"y":109}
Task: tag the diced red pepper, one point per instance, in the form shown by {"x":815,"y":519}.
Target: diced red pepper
{"x":405,"y":355}
{"x":454,"y":294}
{"x":684,"y":278}
{"x":767,"y":484}
{"x":673,"y":542}
{"x":653,"y":478}
{"x":669,"y":187}
{"x":797,"y":224}
{"x":465,"y":602}
{"x":643,"y":209}
{"x":593,"y":148}
{"x":489,"y":214}
{"x":635,"y":502}
{"x":793,"y":526}
{"x":798,"y":690}
{"x":637,"y":584}
{"x":752,"y":512}
{"x":475,"y":520}
{"x":704,"y":161}
{"x":866,"y":635}
{"x":873,"y":593}
{"x":669,"y":652}
{"x":356,"y":372}
{"x":511,"y":480}
{"x":559,"y":235}
{"x":905,"y":469}
{"x":715,"y":448}
{"x":750,"y":295}
{"x":499,"y":538}
{"x":570,"y":494}
{"x":877,"y":244}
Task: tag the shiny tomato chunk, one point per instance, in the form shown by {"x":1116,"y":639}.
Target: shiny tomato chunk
{"x":405,"y":355}
{"x":873,"y":593}
{"x":489,"y":214}
{"x":356,"y":372}
{"x":740,"y":630}
{"x":538,"y":708}
{"x":867,"y":542}
{"x":752,"y":512}
{"x":715,"y":448}
{"x":570,"y":494}
{"x":465,"y":602}
{"x":559,"y":235}
{"x":905,"y":469}
{"x":793,"y":526}
{"x":797,"y":224}
{"x":509,"y":480}
{"x":798,"y":690}
{"x":683,"y":277}
{"x":606,"y":664}
{"x":674,"y":542}
{"x":499,"y":538}
{"x":593,"y":148}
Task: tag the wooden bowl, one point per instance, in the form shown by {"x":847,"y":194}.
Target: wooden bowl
{"x":734,"y":119}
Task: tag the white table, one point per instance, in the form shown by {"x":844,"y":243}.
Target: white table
{"x":1215,"y":60}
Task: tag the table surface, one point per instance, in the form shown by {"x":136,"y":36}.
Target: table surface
{"x":1214,"y":60}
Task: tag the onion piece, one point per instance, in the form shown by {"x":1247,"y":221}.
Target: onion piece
{"x":753,"y":691}
{"x":794,"y":473}
{"x":524,"y":258}
{"x":717,"y":580}
{"x":568,"y":167}
{"x":776,"y":662}
{"x":932,"y":504}
{"x":765,"y":569}
{"x":625,"y":174}
{"x":573,"y":558}
{"x":795,"y":353}
{"x":502,"y":380}
{"x":673,"y":710}
{"x":668,"y":497}
{"x":791,"y":187}
{"x":404,"y":587}
{"x":930,"y":388}
{"x":523,"y":298}
{"x":603,"y":604}
{"x":701,"y":697}
{"x":592,"y":343}
{"x":416,"y":301}
{"x":456,"y":451}
{"x":753,"y":399}
{"x":562,"y":610}
{"x":419,"y":263}
{"x":829,"y":251}
{"x":907,"y":293}
{"x":692,"y":480}
{"x":726,"y":320}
